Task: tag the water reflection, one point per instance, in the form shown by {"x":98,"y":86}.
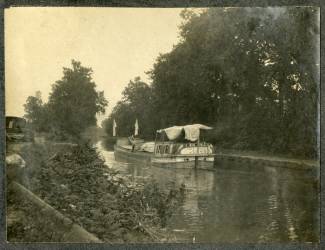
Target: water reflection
{"x":234,"y":205}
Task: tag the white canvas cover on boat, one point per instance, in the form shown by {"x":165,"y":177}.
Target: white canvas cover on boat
{"x":192,"y":132}
{"x":148,"y":147}
{"x":172,"y":132}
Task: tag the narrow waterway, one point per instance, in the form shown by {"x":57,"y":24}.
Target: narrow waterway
{"x":234,"y":205}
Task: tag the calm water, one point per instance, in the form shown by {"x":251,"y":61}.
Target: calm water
{"x":234,"y":205}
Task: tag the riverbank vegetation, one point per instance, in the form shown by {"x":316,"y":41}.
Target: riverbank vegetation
{"x":251,"y":73}
{"x":75,"y":180}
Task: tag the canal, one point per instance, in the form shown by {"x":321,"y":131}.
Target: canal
{"x":235,"y":205}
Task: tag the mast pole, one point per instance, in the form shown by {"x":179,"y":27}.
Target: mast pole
{"x":155,"y":143}
{"x":197,"y":152}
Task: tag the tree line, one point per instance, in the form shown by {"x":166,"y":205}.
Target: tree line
{"x":251,"y":73}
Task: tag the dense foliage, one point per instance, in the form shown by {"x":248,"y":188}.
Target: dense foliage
{"x":72,"y":106}
{"x":135,"y":104}
{"x":75,"y":180}
{"x":251,"y":73}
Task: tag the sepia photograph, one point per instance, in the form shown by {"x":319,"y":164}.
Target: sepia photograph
{"x":162,"y":125}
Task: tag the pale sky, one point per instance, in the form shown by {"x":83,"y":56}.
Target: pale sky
{"x":117,"y":43}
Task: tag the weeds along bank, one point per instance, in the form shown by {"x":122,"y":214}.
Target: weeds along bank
{"x":75,"y":180}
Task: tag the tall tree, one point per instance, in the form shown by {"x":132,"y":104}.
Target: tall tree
{"x":74,"y":101}
{"x":36,"y":112}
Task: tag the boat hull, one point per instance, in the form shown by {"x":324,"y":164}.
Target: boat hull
{"x":126,"y":155}
{"x":183,"y":162}
{"x":179,"y":161}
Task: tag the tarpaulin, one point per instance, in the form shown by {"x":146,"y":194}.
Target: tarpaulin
{"x":148,"y":147}
{"x":172,"y":132}
{"x":192,"y":132}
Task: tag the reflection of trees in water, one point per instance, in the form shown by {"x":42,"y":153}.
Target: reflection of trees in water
{"x":265,"y":207}
{"x":200,"y":184}
{"x":272,"y":229}
{"x":301,"y":207}
{"x":219,"y":210}
{"x":239,"y":205}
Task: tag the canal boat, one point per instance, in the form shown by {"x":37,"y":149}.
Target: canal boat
{"x":174,"y":147}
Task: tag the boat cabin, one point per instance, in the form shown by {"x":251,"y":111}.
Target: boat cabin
{"x":182,"y":140}
{"x":183,"y":148}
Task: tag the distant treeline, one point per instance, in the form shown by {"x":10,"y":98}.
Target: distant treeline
{"x":251,"y":73}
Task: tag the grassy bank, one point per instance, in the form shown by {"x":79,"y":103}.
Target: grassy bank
{"x":75,"y":181}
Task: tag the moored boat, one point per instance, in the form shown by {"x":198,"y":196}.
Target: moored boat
{"x":182,"y":149}
{"x":183,"y":155}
